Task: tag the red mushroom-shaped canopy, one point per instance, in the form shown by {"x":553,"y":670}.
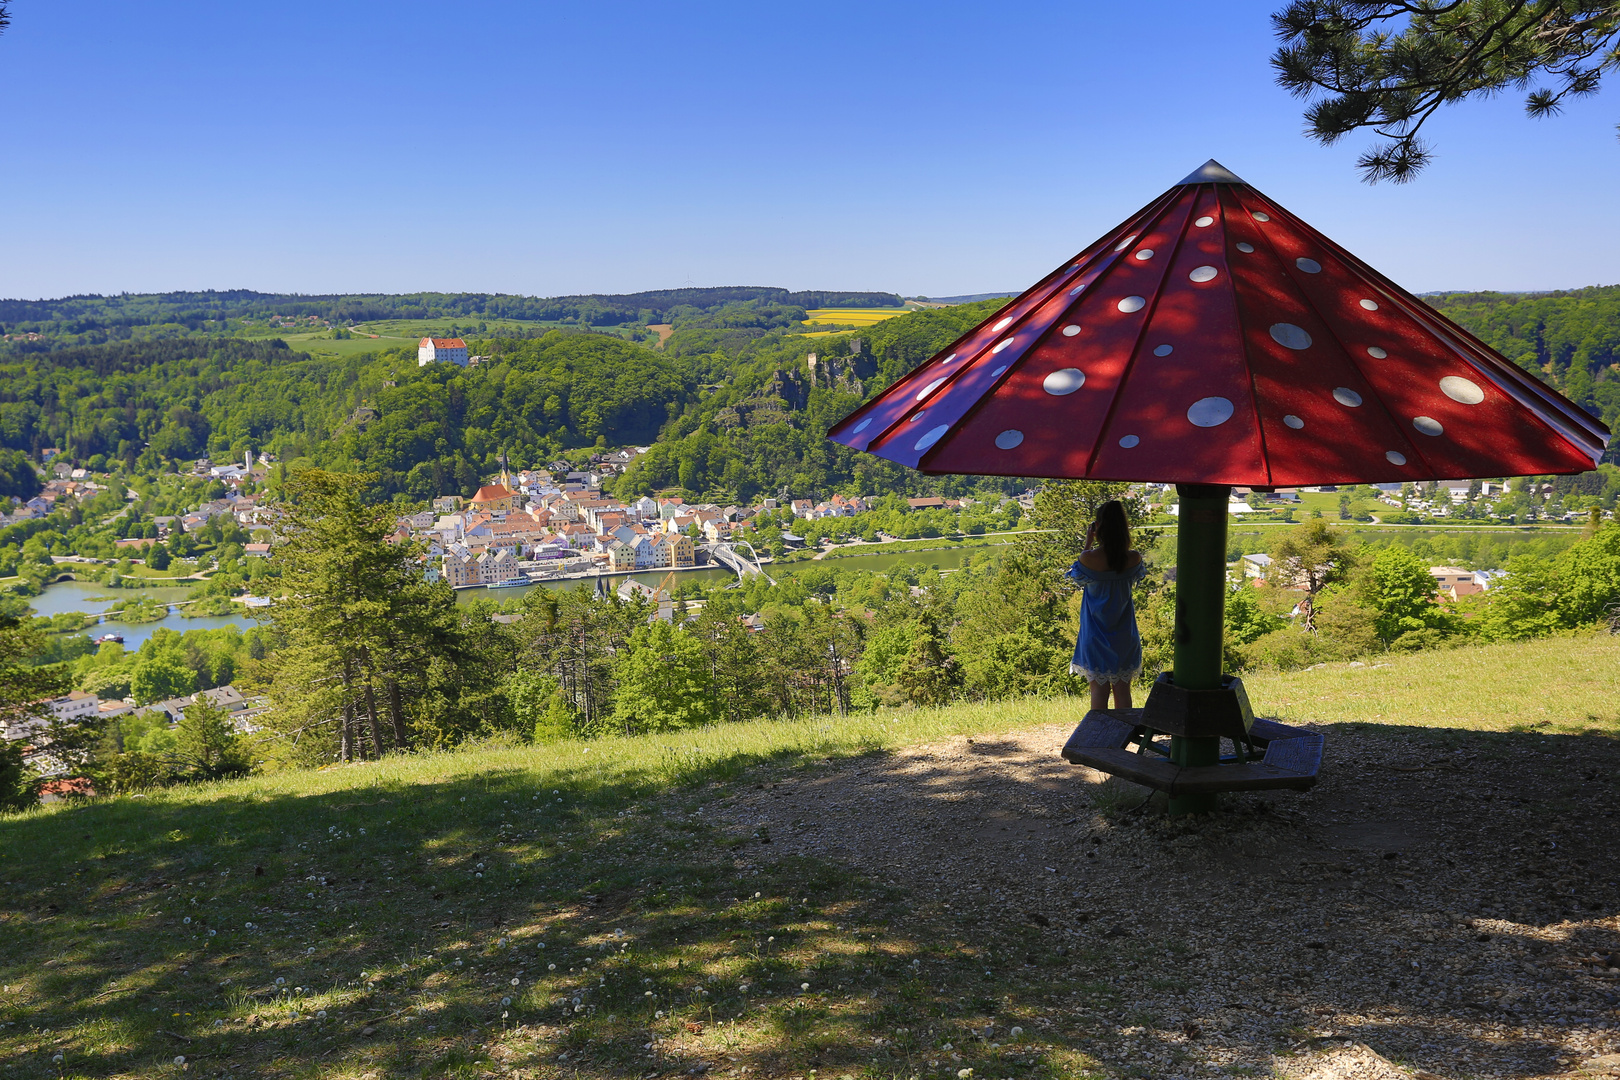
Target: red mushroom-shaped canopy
{"x":1215,"y":338}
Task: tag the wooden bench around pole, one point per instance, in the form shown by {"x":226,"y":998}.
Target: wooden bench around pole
{"x":1293,"y":757}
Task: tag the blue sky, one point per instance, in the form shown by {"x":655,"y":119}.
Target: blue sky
{"x":541,"y":148}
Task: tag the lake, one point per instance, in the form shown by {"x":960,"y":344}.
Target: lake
{"x":67,"y":596}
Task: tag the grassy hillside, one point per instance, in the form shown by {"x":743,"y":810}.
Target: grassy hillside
{"x":499,"y":909}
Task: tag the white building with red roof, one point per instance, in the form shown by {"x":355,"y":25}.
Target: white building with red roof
{"x":432,"y":350}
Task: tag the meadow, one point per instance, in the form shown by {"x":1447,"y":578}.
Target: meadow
{"x":582,"y":908}
{"x":405,"y":333}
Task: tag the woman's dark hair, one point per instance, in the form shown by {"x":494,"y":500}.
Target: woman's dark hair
{"x":1114,"y":533}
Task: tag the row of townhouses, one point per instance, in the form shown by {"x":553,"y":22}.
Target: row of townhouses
{"x":244,"y":712}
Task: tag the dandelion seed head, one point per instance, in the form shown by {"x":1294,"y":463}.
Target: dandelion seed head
{"x":514,"y":982}
{"x":551,"y":967}
{"x":186,"y":920}
{"x":280,"y":981}
{"x":505,"y":1001}
{"x":659,"y":1015}
{"x":804,"y":986}
{"x":179,"y":1059}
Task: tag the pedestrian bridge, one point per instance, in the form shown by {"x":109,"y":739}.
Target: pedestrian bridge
{"x":743,"y":564}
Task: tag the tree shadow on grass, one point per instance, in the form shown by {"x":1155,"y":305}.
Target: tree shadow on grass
{"x":894,"y":915}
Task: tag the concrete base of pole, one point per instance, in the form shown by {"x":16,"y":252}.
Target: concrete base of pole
{"x":1186,"y":752}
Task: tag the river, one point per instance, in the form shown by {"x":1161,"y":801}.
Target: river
{"x":945,"y":558}
{"x":92,"y":599}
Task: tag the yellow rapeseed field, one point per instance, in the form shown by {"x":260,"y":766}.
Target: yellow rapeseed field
{"x":851,"y":316}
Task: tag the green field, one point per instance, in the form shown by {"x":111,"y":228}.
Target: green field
{"x":438,"y":915}
{"x":405,"y":333}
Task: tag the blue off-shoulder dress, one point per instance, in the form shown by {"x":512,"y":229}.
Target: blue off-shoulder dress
{"x":1109,"y":649}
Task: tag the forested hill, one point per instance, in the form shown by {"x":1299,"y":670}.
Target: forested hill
{"x":731,"y":405}
{"x":741,"y":419}
{"x":35,"y":325}
{"x":1571,"y":339}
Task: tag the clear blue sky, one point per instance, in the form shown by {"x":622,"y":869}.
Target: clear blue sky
{"x":540,"y":148}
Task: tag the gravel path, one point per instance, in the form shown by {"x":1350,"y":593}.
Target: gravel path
{"x":1442,"y":900}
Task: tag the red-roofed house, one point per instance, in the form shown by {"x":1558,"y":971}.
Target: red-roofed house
{"x":493,"y":498}
{"x":441,"y":350}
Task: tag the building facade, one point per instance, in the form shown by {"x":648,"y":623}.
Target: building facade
{"x":432,"y":350}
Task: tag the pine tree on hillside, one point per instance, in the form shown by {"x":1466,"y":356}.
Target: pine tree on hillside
{"x":360,"y":623}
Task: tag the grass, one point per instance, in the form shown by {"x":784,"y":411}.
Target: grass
{"x":574,"y":909}
{"x":1562,"y":685}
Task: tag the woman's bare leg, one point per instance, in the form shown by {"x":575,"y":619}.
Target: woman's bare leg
{"x":1122,"y":695}
{"x":1099,"y":695}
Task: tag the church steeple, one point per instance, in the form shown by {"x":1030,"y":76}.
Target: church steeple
{"x":506,"y":472}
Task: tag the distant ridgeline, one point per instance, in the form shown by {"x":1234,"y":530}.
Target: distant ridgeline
{"x":45,"y":324}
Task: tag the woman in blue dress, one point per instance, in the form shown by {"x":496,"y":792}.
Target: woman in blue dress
{"x":1109,"y":650}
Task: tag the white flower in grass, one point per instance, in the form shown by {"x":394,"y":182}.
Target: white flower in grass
{"x":179,"y":1059}
{"x":551,"y":967}
{"x":186,"y":920}
{"x":804,"y":986}
{"x":57,"y":1060}
{"x":659,"y":1015}
{"x":963,"y":1074}
{"x":1015,"y":1033}
{"x":320,"y":1014}
{"x":505,"y":1001}
{"x":280,"y":981}
{"x":514,"y":982}
{"x":647,"y":994}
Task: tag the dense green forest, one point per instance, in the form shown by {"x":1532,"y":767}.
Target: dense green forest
{"x":1570,"y":338}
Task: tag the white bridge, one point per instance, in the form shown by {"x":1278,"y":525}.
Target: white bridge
{"x":744,"y":564}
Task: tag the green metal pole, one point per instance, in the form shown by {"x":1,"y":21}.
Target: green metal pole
{"x":1200,"y":618}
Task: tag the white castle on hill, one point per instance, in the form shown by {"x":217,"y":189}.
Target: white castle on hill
{"x":441,"y":350}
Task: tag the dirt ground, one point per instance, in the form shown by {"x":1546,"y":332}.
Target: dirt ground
{"x":1442,"y":904}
